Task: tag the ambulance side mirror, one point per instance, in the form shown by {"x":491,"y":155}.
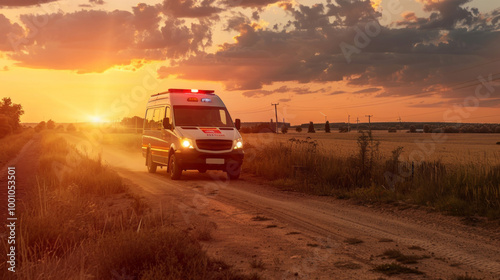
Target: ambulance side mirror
{"x":166,"y":123}
{"x":237,"y":124}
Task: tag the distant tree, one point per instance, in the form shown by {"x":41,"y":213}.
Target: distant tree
{"x":484,"y":129}
{"x":497,"y":129}
{"x":343,"y":129}
{"x":71,"y":128}
{"x":298,"y":129}
{"x":12,"y":111}
{"x":51,"y":124}
{"x":327,"y":127}
{"x":451,"y":129}
{"x":311,"y":128}
{"x":5,"y":127}
{"x":40,"y":126}
{"x":284,"y":129}
{"x":427,"y":128}
{"x":413,"y":129}
{"x":60,"y":127}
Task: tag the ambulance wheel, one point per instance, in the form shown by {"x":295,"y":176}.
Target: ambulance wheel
{"x":150,"y":164}
{"x":174,"y":168}
{"x":233,"y":170}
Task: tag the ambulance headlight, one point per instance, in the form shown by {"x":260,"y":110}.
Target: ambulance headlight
{"x":238,"y":144}
{"x":186,"y":143}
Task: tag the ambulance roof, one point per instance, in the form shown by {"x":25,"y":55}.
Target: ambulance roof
{"x":186,"y":97}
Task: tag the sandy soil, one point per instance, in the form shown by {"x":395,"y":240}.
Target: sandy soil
{"x":299,"y":236}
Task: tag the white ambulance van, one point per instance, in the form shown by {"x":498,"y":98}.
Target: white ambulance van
{"x":190,"y":129}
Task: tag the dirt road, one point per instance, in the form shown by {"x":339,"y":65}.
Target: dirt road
{"x":282,"y":235}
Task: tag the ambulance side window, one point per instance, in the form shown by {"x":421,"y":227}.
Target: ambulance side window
{"x":223,"y":116}
{"x":148,"y":122}
{"x":158,"y":118}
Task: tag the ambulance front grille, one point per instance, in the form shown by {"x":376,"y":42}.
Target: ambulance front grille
{"x":214,"y":145}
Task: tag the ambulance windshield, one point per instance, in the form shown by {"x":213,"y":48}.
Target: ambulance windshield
{"x":202,"y":116}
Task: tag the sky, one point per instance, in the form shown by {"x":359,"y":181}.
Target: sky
{"x":340,"y":60}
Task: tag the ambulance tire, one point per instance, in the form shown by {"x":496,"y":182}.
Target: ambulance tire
{"x":150,"y":164}
{"x":174,"y":168}
{"x":233,"y":170}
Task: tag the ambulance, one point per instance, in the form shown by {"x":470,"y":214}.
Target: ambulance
{"x":191,"y":129}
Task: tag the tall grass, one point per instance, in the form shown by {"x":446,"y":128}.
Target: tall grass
{"x":69,"y":228}
{"x":13,"y":143}
{"x":303,"y":165}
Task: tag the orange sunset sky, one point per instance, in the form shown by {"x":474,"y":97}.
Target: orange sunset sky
{"x":422,"y":60}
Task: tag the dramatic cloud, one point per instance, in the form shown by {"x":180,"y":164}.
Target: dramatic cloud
{"x":190,"y":8}
{"x":249,"y":3}
{"x":93,"y":41}
{"x":23,"y":3}
{"x":408,"y":60}
{"x":8,"y":33}
{"x":284,"y":89}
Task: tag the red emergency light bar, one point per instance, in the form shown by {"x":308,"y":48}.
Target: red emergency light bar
{"x":200,"y":91}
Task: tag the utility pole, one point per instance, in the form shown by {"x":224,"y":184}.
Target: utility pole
{"x":369,"y":123}
{"x":276,"y":112}
{"x":348,"y":123}
{"x":357,"y":123}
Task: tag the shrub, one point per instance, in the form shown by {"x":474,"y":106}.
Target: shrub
{"x":497,"y":129}
{"x":427,"y":128}
{"x":298,"y":129}
{"x":311,"y":128}
{"x":392,"y":130}
{"x":51,"y":124}
{"x":284,"y":129}
{"x":40,"y":126}
{"x":71,"y":128}
{"x":327,"y":127}
{"x":413,"y":129}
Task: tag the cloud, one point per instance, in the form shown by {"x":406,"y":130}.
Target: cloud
{"x":249,"y":3}
{"x":9,"y":32}
{"x":284,"y":89}
{"x":23,"y":3}
{"x":308,"y":51}
{"x":336,"y":92}
{"x":445,"y":14}
{"x":368,"y":90}
{"x":190,"y":8}
{"x":94,"y":41}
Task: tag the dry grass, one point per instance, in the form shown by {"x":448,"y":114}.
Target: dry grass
{"x":73,"y":229}
{"x":12,"y":144}
{"x":455,"y":148}
{"x":372,"y":174}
